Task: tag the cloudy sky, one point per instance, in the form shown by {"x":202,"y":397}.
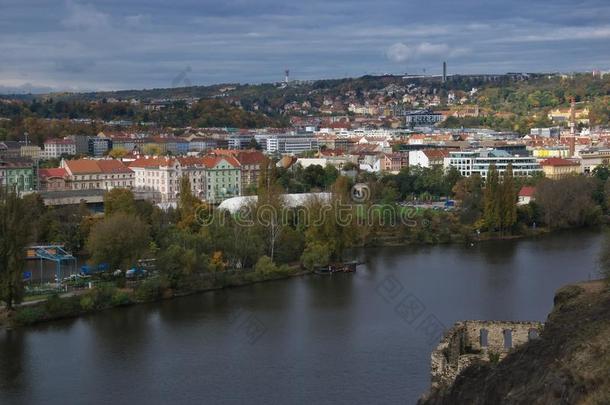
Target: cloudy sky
{"x":127,"y":44}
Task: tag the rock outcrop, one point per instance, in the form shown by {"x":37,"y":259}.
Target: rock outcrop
{"x":569,"y":363}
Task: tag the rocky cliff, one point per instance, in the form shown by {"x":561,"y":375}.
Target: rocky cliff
{"x":568,"y":364}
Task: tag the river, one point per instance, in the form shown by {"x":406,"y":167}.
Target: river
{"x":342,"y":339}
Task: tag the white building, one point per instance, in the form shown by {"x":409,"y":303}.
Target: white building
{"x":286,"y":143}
{"x":427,"y":157}
{"x":370,"y":163}
{"x":479,"y":161}
{"x":336,"y":161}
{"x":233,"y":205}
{"x":212,"y":178}
{"x":56,"y":148}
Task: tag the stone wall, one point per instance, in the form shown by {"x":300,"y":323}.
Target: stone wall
{"x":468,"y":341}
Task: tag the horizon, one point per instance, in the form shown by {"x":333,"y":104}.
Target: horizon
{"x":84,"y":46}
{"x":406,"y":74}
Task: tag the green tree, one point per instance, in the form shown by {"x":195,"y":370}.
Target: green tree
{"x":119,"y":200}
{"x":118,"y":153}
{"x":176,"y":263}
{"x":265,"y":265}
{"x":119,"y":240}
{"x":14,"y":235}
{"x":491,"y":206}
{"x":469,"y":192}
{"x":508,"y":200}
{"x":269,"y":207}
{"x":315,"y":255}
{"x":187,"y":205}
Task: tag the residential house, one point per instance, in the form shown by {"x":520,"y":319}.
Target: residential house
{"x":428,"y":157}
{"x":557,"y":168}
{"x":393,"y":162}
{"x":223,"y":178}
{"x":57,"y":148}
{"x":250,"y":163}
{"x":31,"y":152}
{"x":526,"y":195}
{"x":54,"y":179}
{"x":17,"y":174}
{"x":103,"y":174}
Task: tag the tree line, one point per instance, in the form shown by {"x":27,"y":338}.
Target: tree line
{"x":196,"y":241}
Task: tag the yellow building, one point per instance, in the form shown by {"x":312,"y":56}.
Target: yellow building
{"x":556,"y":168}
{"x":563,"y":115}
{"x":545,"y":153}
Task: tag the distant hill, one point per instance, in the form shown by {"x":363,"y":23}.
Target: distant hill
{"x":364,"y":83}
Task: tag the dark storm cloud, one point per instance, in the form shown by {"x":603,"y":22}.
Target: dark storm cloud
{"x":135,"y":44}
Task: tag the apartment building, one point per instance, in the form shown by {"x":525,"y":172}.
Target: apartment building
{"x":57,"y":148}
{"x":17,"y":174}
{"x":102,"y":174}
{"x":212,"y":178}
{"x":479,"y":162}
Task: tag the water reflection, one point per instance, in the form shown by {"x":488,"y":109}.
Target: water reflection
{"x":325,"y":338}
{"x":13,"y":371}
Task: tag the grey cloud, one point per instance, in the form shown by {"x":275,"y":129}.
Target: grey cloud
{"x":148,"y":43}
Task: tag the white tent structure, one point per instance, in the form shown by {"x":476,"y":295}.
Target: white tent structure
{"x":290,"y":200}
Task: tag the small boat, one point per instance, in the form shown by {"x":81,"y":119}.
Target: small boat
{"x":347,"y":267}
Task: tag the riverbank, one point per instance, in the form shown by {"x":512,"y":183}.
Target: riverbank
{"x":84,"y":302}
{"x":105,"y":297}
{"x":389,"y":240}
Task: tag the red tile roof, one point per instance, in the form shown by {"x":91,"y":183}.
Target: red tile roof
{"x":151,"y":162}
{"x":88,"y":166}
{"x":212,"y":161}
{"x":53,"y":172}
{"x":207,"y":161}
{"x":527,"y":191}
{"x":436,"y":153}
{"x":559,"y":162}
{"x":112,"y":166}
{"x":82,"y":166}
{"x":250,"y":157}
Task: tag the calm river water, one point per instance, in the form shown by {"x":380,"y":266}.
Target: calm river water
{"x":359,"y":338}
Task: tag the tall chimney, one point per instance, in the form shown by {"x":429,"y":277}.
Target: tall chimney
{"x":444,"y":72}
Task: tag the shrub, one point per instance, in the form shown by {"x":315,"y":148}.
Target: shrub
{"x":494,"y":358}
{"x":55,"y":306}
{"x":120,"y":298}
{"x":87,"y":302}
{"x":265,"y":265}
{"x":28,"y":315}
{"x":149,"y":290}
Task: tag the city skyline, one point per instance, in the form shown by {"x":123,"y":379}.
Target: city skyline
{"x":81,"y":46}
